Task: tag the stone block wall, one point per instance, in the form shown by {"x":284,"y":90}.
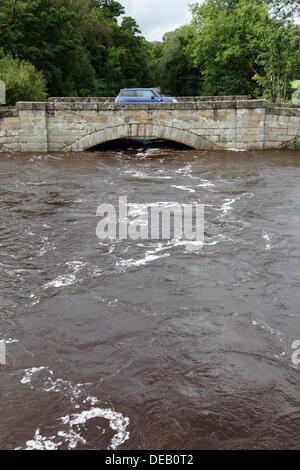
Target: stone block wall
{"x":217,"y":124}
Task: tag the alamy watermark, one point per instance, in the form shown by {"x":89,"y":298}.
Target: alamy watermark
{"x":2,"y":92}
{"x":296,"y":97}
{"x":160,"y":221}
{"x":296,"y":354}
{"x":2,"y":353}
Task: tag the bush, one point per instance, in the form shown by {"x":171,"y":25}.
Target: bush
{"x":23,"y":82}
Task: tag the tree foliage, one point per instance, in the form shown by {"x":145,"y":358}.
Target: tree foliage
{"x":177,"y":73}
{"x":89,"y":47}
{"x":23,"y":81}
{"x":12,"y":19}
{"x":78,"y":45}
{"x":234,"y":47}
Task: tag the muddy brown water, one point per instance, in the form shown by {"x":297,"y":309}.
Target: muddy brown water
{"x":145,"y":345}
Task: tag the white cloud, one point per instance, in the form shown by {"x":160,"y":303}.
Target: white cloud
{"x":157,"y":17}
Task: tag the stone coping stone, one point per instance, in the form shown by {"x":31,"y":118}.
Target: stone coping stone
{"x":109,"y":99}
{"x":292,"y":110}
{"x":213,"y":98}
{"x":284,"y":110}
{"x":31,"y":105}
{"x":8,"y":112}
{"x":87,"y":106}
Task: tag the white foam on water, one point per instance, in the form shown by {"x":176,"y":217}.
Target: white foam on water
{"x":206,"y":184}
{"x":267,"y":328}
{"x":110,"y":302}
{"x":143,"y":210}
{"x":184,"y":188}
{"x":37,"y":157}
{"x":42,"y":183}
{"x":161,"y":175}
{"x":136,"y":209}
{"x":135,"y":174}
{"x":150,"y":255}
{"x":116,"y":420}
{"x":30,"y":372}
{"x":40,"y":443}
{"x":79,"y":200}
{"x":149,"y":258}
{"x":111,"y":247}
{"x":46,"y":246}
{"x":279,"y":356}
{"x":36,"y":299}
{"x":43,"y":379}
{"x":66,"y":279}
{"x":190,"y":245}
{"x":266,"y":237}
{"x":194,"y":245}
{"x":186,"y":170}
{"x":61,"y":281}
{"x":76,"y":265}
{"x":44,"y":157}
{"x":148,"y":152}
{"x":72,"y":438}
{"x":227,"y":205}
{"x":10,"y":340}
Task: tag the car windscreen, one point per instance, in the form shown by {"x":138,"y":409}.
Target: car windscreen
{"x":128,"y":94}
{"x":156,"y":94}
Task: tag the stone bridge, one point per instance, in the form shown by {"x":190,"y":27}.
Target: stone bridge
{"x":204,"y":123}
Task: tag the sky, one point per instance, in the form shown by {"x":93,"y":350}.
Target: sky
{"x":157,"y":17}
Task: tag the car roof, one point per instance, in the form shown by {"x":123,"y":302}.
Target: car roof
{"x":135,"y":89}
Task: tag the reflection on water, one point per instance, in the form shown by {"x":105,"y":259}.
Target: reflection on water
{"x":145,"y":345}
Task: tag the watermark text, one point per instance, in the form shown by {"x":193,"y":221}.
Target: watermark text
{"x":2,"y":353}
{"x":160,"y":221}
{"x":2,"y":92}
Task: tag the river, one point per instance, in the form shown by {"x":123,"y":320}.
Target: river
{"x":148,"y":345}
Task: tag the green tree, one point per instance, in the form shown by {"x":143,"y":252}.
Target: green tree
{"x":45,"y":34}
{"x":111,"y":9}
{"x":279,"y":58}
{"x":241,"y":48}
{"x":220,"y":46}
{"x":23,"y":82}
{"x":135,"y":56}
{"x":78,"y":45}
{"x":178,"y":75}
{"x":156,"y":53}
{"x":12,"y":19}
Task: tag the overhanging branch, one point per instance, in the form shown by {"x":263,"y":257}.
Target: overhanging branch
{"x":13,"y":17}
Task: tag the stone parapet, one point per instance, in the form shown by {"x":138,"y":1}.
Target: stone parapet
{"x":216,"y":124}
{"x":111,"y":99}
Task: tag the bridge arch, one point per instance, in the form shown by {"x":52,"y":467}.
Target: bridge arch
{"x":140,"y":130}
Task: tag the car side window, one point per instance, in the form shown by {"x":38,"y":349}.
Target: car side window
{"x":128,"y":94}
{"x":147,"y":94}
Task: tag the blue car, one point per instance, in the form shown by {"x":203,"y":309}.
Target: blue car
{"x":142,"y":95}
